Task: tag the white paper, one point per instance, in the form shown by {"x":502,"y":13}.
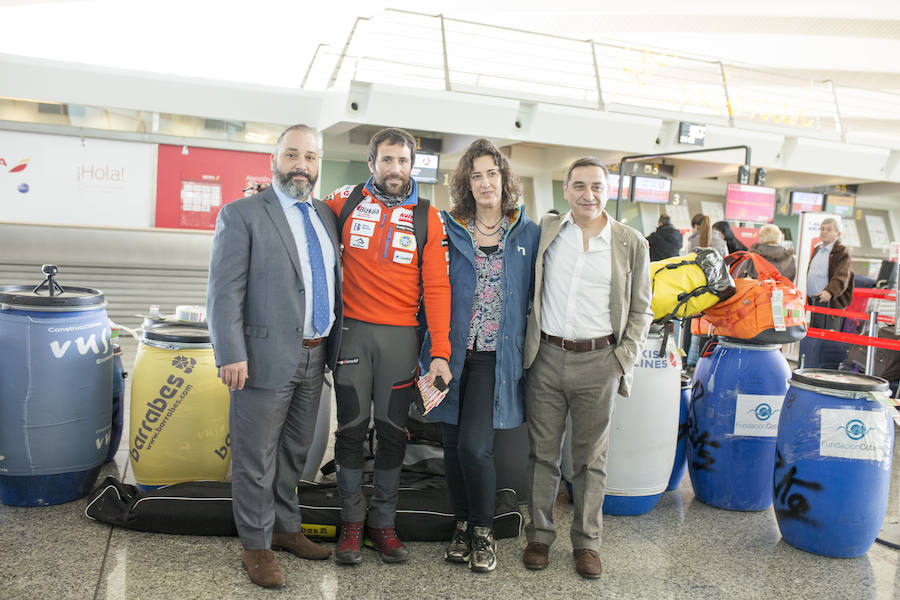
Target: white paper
{"x":680,"y":216}
{"x":853,"y":434}
{"x":850,"y":236}
{"x":714,"y":210}
{"x":878,"y":235}
{"x":757,"y":414}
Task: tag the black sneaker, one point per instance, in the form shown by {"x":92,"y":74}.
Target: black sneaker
{"x":484,"y":550}
{"x":460,"y":545}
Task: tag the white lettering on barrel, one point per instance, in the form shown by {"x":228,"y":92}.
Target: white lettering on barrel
{"x":59,"y":350}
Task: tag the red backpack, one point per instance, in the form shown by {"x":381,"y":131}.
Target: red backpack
{"x":767,"y":310}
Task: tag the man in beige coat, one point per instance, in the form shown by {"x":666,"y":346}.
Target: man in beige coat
{"x":590,"y":320}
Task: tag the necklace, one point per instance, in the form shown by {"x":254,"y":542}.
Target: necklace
{"x":485,"y":233}
{"x":489,"y":226}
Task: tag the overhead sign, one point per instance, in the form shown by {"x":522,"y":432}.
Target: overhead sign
{"x":426,"y":168}
{"x":69,"y":180}
{"x":691,"y":133}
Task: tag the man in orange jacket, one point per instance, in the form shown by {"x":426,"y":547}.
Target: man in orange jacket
{"x":386,"y":275}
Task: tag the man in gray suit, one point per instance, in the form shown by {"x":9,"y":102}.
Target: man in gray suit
{"x":590,"y":320}
{"x":275,"y":312}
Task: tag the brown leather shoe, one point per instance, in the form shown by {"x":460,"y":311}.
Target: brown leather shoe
{"x":587,"y":563}
{"x":536,"y":556}
{"x":262,"y":568}
{"x":299,"y":545}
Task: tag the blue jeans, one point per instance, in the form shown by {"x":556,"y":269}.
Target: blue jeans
{"x":469,"y":446}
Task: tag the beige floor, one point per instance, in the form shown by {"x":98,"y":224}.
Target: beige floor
{"x":681,"y":549}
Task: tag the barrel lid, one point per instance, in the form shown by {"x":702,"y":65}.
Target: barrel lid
{"x":186,"y":333}
{"x":840,"y":380}
{"x":25,"y":296}
{"x":685,"y":381}
{"x":49,"y":295}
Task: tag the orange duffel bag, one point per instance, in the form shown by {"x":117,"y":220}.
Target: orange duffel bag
{"x":700,"y":326}
{"x":767,"y":310}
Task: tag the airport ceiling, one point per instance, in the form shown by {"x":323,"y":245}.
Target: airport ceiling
{"x":271,"y":42}
{"x":853,"y":43}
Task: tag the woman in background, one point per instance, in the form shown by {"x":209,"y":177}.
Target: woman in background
{"x":770,"y":248}
{"x":704,"y":236}
{"x":731,"y":240}
{"x":492,"y":249}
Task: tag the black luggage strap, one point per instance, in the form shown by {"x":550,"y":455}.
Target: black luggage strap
{"x":420,"y":218}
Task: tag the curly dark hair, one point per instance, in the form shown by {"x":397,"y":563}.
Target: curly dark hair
{"x":392,"y":136}
{"x":461,"y":187}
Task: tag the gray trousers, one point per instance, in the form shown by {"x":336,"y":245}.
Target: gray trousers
{"x":374,"y":377}
{"x":271,"y":433}
{"x":557,"y":384}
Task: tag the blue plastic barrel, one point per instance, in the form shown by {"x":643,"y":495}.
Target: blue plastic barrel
{"x":55,"y":389}
{"x":680,"y":465}
{"x":701,"y":369}
{"x":118,"y":399}
{"x":732,"y":424}
{"x":833,"y":462}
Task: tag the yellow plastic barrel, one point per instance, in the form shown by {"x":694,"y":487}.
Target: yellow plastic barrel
{"x":179,"y":409}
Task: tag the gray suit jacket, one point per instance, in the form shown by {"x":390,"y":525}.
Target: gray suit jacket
{"x":256,"y":293}
{"x":629,"y":303}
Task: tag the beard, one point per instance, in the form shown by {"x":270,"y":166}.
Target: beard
{"x":394,"y":186}
{"x":299,"y":188}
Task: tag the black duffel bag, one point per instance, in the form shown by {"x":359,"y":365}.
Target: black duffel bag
{"x":423,"y":514}
{"x":190,"y":508}
{"x":204,"y":508}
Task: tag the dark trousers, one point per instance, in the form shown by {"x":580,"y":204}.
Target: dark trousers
{"x":469,"y":446}
{"x":822,"y":354}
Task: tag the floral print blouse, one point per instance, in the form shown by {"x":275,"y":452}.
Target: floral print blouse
{"x":487,"y":305}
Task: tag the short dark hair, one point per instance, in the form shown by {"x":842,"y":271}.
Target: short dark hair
{"x":587,"y":161}
{"x":297,"y":127}
{"x":461,"y":187}
{"x":664,"y":219}
{"x":392,"y":135}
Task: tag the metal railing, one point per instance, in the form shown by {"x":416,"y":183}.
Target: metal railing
{"x":434,"y":52}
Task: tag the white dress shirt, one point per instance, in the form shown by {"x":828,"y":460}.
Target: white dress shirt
{"x":576,"y":287}
{"x":817,"y":276}
{"x":298,"y":228}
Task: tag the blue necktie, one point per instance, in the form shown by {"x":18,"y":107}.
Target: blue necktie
{"x":319,"y":281}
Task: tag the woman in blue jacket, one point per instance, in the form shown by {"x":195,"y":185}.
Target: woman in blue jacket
{"x":492,"y":248}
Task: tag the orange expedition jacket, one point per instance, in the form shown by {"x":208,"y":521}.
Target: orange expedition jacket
{"x":381,"y":265}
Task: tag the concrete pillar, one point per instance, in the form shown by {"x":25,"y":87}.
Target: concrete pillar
{"x":543,"y":195}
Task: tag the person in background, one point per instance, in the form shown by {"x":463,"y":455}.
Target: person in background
{"x":829,"y":283}
{"x":734,"y":244}
{"x":274,"y":299}
{"x":770,"y":248}
{"x":590,"y":320}
{"x":704,"y":236}
{"x":666,"y":241}
{"x":492,"y":249}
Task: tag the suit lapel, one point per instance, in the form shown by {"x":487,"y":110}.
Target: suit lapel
{"x":617,"y":252}
{"x":276,"y":214}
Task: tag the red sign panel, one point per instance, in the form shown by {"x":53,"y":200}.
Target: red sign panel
{"x":749,"y":203}
{"x":747,"y":235}
{"x":192,"y":184}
